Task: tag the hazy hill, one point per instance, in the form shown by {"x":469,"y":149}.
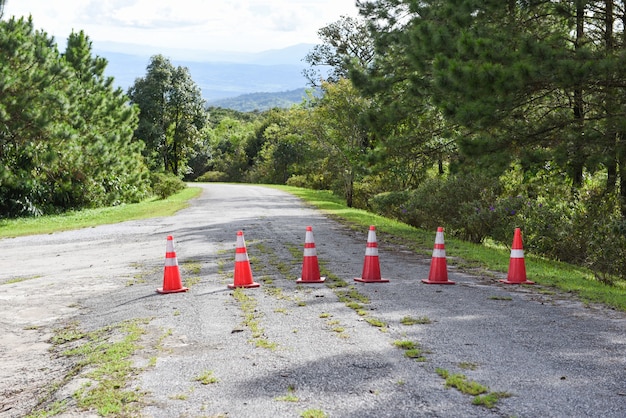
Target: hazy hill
{"x":261,"y":101}
{"x":220,"y":74}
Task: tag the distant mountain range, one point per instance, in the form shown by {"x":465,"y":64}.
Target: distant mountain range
{"x":219,"y":75}
{"x":262,"y":101}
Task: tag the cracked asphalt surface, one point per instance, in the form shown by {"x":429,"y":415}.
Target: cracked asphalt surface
{"x":302,"y":347}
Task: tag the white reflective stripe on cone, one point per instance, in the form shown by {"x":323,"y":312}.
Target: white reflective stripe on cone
{"x":517,"y":253}
{"x":371,"y":251}
{"x":241,"y":257}
{"x":437,"y":253}
{"x":310,"y":252}
{"x":171,"y":261}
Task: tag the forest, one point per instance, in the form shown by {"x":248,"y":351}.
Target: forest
{"x":476,"y":115}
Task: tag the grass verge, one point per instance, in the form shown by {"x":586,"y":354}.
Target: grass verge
{"x":467,"y":256}
{"x":151,"y":208}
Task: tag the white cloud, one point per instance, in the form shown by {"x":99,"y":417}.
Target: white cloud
{"x":211,"y":25}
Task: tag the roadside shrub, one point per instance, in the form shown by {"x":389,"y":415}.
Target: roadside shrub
{"x":165,"y":185}
{"x":212,"y":176}
{"x":603,"y":230}
{"x":391,"y":205}
{"x":365,"y":190}
{"x":459,"y":203}
{"x":548,"y":230}
{"x":606,"y":255}
{"x":309,"y":181}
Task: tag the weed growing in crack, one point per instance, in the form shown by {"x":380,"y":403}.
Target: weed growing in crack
{"x":206,"y":378}
{"x":490,"y":400}
{"x":104,"y":358}
{"x":470,"y":387}
{"x":313,"y":413}
{"x":290,"y":396}
{"x":251,"y":316}
{"x":411,"y":349}
{"x":408,"y":320}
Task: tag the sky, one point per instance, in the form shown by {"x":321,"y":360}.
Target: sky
{"x":202,"y":25}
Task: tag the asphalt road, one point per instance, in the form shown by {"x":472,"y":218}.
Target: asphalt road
{"x":301,"y":347}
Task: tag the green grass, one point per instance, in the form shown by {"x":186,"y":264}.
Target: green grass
{"x":92,"y":217}
{"x":460,"y":382}
{"x":206,"y":378}
{"x":408,"y":320}
{"x":468,"y":256}
{"x":490,"y":400}
{"x":376,"y":322}
{"x":18,"y":280}
{"x":411,"y":349}
{"x":251,"y":317}
{"x":103,"y":357}
{"x":313,"y":413}
{"x":405,"y":344}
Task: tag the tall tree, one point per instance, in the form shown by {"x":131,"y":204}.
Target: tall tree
{"x":104,"y":123}
{"x":523,"y":79}
{"x":188,"y":116}
{"x":337,"y":125}
{"x":344,"y":42}
{"x":171,"y":114}
{"x":150,"y":94}
{"x":411,"y":132}
{"x":32,"y":98}
{"x":64,"y":132}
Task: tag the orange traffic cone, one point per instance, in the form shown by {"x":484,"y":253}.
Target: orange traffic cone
{"x":438,"y":267}
{"x":517,"y":267}
{"x":243,"y":272}
{"x":310,"y":266}
{"x":171,"y":275}
{"x":371,"y":265}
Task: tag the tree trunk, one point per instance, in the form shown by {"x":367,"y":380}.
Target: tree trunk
{"x":610,"y":103}
{"x":349,"y":189}
{"x":577,"y":159}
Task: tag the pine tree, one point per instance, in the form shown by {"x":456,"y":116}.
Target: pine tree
{"x":527,"y":81}
{"x":64,"y":132}
{"x":33,"y":85}
{"x":104,"y":124}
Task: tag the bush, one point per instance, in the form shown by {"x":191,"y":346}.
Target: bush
{"x":212,"y":176}
{"x":603,"y":230}
{"x":391,"y":204}
{"x":309,"y":181}
{"x":165,"y":185}
{"x":462,"y":204}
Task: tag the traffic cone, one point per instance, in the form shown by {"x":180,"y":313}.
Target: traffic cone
{"x":171,"y":274}
{"x":517,"y":267}
{"x":438,"y":267}
{"x":243,"y":272}
{"x":371,"y":265}
{"x":310,"y":266}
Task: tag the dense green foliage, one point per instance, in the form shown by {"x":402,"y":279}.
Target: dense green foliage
{"x":527,"y":94}
{"x":65,"y":132}
{"x":477,"y":115}
{"x":172,"y":115}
